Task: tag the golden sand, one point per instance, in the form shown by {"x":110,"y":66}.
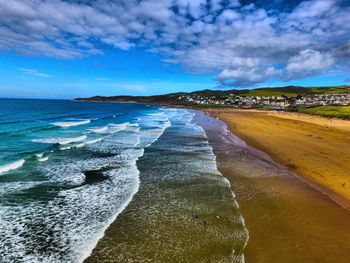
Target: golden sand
{"x":316,"y":148}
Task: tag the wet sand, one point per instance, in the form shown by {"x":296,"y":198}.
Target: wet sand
{"x":287,"y":219}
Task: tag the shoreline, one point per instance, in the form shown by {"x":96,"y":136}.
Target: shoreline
{"x":300,"y":169}
{"x":282,"y":211}
{"x":188,"y":212}
{"x":340,"y":200}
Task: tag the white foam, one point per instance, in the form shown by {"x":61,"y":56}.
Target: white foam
{"x":93,"y":242}
{"x":73,"y":146}
{"x":11,"y":166}
{"x":116,"y":127}
{"x":7,"y":188}
{"x":94,"y":141}
{"x":66,"y":148}
{"x":118,"y":124}
{"x":60,"y":140}
{"x":66,"y":124}
{"x":80,"y":145}
{"x":76,"y":227}
{"x":157,"y":114}
{"x":100,"y":129}
{"x":41,"y":158}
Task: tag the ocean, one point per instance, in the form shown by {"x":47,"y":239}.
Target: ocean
{"x":112,"y":182}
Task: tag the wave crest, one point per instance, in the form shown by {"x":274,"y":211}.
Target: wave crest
{"x":11,"y":166}
{"x":60,"y":140}
{"x":66,"y":124}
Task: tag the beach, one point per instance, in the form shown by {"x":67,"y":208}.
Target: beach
{"x":316,"y":148}
{"x":142,"y":183}
{"x":288,"y":216}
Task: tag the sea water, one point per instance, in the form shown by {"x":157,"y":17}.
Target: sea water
{"x":74,"y":176}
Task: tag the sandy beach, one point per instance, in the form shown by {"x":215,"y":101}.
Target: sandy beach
{"x":287,"y":219}
{"x":316,"y":148}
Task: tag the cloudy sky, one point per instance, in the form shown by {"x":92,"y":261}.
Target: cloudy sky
{"x":64,"y":49}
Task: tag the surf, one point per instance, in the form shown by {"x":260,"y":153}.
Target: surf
{"x":11,"y":166}
{"x":67,"y":124}
{"x":60,"y":140}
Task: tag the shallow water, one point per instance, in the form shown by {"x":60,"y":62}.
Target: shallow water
{"x":68,"y":170}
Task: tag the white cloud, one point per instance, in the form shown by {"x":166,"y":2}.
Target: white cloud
{"x":204,"y":36}
{"x":245,"y":71}
{"x":310,"y":9}
{"x":229,"y":16}
{"x":192,"y":7}
{"x":157,"y":10}
{"x":34,"y":73}
{"x":307,"y":62}
{"x":102,"y":79}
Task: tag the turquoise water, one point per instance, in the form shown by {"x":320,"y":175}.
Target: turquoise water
{"x":68,"y":170}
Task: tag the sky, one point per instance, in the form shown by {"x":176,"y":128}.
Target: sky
{"x":67,"y":49}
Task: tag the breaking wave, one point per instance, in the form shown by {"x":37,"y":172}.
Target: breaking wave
{"x":84,"y":192}
{"x":60,"y":140}
{"x":66,"y":124}
{"x":11,"y":166}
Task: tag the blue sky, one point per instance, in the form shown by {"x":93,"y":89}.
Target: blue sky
{"x":117,"y":72}
{"x":67,"y":49}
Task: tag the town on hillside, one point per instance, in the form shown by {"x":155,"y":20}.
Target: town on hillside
{"x":269,"y":102}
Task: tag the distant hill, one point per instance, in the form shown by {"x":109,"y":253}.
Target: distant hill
{"x":288,"y":91}
{"x":161,"y":99}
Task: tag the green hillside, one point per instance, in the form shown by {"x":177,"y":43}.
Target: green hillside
{"x":288,"y":91}
{"x":329,"y":111}
{"x":268,"y":92}
{"x":330,"y":90}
